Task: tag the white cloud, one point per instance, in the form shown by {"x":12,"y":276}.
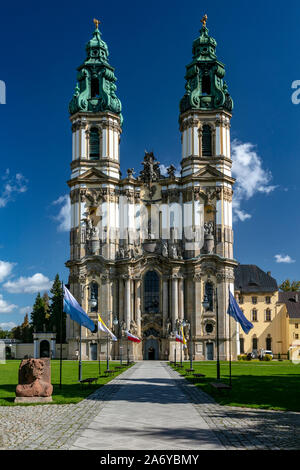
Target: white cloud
{"x":283,"y":259}
{"x":250,"y":176}
{"x":8,"y":325}
{"x":12,"y":185}
{"x":25,"y":310}
{"x":5,"y":269}
{"x":64,"y":216}
{"x":5,"y":307}
{"x":163,"y":169}
{"x":28,"y":285}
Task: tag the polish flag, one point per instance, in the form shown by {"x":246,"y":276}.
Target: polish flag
{"x":179,"y":338}
{"x":133,"y":338}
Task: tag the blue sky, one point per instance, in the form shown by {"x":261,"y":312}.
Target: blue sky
{"x":150,"y":44}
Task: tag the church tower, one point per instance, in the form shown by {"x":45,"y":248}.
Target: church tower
{"x":153,"y":253}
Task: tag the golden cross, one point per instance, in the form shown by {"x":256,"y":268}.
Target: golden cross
{"x":96,"y":22}
{"x":204,"y":20}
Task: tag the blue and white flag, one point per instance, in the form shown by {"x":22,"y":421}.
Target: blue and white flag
{"x":235,"y":311}
{"x":76,"y":312}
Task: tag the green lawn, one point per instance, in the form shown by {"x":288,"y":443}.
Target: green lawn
{"x":274,"y":385}
{"x":70,"y":392}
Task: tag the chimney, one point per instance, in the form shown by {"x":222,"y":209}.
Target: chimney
{"x":269,"y":273}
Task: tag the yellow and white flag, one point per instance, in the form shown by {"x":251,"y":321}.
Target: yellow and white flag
{"x":183,"y":338}
{"x":103,"y":327}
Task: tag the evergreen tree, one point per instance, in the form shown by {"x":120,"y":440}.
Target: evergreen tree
{"x":26,"y":330}
{"x":56,"y":311}
{"x":288,"y":286}
{"x":39,"y":316}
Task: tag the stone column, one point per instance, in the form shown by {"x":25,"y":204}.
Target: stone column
{"x":174,"y":302}
{"x":36,"y":348}
{"x":53,"y":348}
{"x":121,"y":300}
{"x":138,"y":305}
{"x":127,"y":302}
{"x":181,"y":298}
{"x":165,"y":303}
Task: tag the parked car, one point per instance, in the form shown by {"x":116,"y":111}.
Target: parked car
{"x":263,"y":352}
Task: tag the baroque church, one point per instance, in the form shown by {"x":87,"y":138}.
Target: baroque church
{"x":152,"y":253}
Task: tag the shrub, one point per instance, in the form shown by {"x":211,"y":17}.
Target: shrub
{"x":242,"y":357}
{"x":267,"y":357}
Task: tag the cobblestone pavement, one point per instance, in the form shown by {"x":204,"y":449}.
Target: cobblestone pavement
{"x":244,"y":428}
{"x":61,"y":426}
{"x":52,"y":426}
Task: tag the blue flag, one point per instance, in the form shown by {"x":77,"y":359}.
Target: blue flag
{"x":76,"y":312}
{"x":235,"y":311}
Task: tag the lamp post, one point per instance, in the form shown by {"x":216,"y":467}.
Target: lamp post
{"x":206,"y":304}
{"x":93,"y":303}
{"x":179,"y":324}
{"x":121,"y":327}
{"x":107,"y":342}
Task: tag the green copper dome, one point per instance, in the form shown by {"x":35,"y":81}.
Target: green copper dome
{"x":205,"y":88}
{"x":95,"y":90}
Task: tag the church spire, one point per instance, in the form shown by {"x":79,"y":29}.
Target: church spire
{"x":96,"y":89}
{"x":205,"y":88}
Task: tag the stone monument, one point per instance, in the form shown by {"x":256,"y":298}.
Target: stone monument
{"x":34,"y":381}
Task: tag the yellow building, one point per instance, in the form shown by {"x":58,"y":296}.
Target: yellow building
{"x":291,"y":303}
{"x":258,"y":297}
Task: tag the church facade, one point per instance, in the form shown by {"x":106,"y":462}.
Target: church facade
{"x":152,"y":253}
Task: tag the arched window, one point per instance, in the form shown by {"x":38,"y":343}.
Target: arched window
{"x":254,"y":343}
{"x":94,"y":144}
{"x":151,"y":292}
{"x":94,"y":297}
{"x":206,"y":88}
{"x":269,"y":343}
{"x":209,"y":294}
{"x":206,"y":141}
{"x":242,"y":345}
{"x":94,"y":87}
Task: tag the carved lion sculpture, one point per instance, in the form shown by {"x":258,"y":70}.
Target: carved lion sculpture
{"x":34,"y":378}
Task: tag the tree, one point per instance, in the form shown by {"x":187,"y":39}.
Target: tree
{"x":26,"y":330}
{"x":40,"y":313}
{"x":288,"y":286}
{"x":23,"y":332}
{"x":56,"y":310}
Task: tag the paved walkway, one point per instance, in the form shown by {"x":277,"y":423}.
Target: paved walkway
{"x":149,"y":411}
{"x":150,"y":406}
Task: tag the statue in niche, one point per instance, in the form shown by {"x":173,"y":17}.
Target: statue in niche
{"x":173,"y":251}
{"x":209,"y":240}
{"x":133,"y":327}
{"x":164,"y":249}
{"x":208,"y":228}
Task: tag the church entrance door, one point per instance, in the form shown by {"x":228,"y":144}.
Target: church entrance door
{"x":151,"y":350}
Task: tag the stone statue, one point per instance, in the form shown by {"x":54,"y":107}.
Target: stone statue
{"x":173,"y":251}
{"x":164,"y":249}
{"x":34,"y":381}
{"x":209,"y":240}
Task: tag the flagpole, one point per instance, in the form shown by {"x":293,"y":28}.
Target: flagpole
{"x":61,"y":327}
{"x":229,"y":351}
{"x":99,"y":347}
{"x":218,"y":352}
{"x":79,"y":364}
